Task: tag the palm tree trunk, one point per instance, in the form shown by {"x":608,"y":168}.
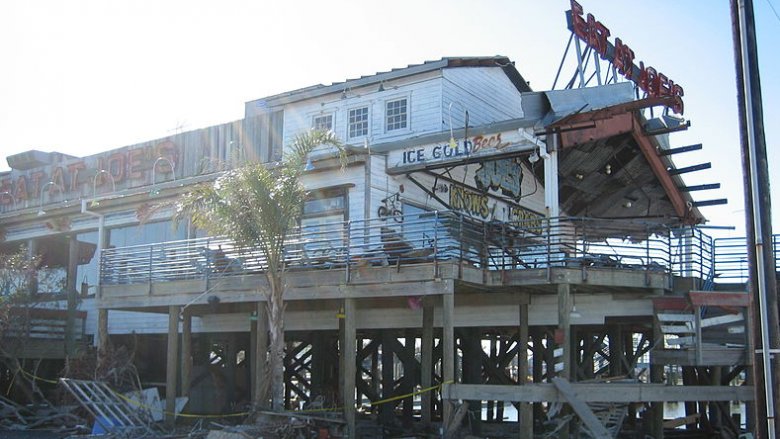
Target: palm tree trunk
{"x":276,"y":308}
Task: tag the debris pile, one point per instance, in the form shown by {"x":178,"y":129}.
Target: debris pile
{"x":14,"y":416}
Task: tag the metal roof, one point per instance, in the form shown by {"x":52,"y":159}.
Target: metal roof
{"x":413,"y":69}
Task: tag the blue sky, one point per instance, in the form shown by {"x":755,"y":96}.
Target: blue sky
{"x":82,"y":77}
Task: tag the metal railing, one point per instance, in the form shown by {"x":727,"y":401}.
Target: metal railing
{"x":731,"y":258}
{"x":432,"y":238}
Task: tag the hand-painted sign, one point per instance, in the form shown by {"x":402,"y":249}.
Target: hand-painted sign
{"x":595,"y":34}
{"x":505,"y":175}
{"x":470,"y":202}
{"x":486,"y":145}
{"x":75,"y":178}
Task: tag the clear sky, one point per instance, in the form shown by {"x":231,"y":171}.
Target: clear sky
{"x":85,"y":76}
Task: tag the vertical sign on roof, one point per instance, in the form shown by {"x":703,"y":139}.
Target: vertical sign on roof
{"x":596,"y":35}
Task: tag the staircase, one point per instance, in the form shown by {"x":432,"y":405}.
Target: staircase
{"x":702,"y":328}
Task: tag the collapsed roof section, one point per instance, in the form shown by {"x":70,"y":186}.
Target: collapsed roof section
{"x":613,"y":162}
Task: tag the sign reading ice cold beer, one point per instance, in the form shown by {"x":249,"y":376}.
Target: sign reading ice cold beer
{"x":446,"y":153}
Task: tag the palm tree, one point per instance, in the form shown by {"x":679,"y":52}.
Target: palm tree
{"x":258,"y":205}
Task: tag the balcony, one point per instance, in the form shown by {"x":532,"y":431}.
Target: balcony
{"x":422,"y":248}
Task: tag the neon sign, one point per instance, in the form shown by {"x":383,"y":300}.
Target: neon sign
{"x":621,"y":56}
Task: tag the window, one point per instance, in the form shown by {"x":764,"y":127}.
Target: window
{"x":322,"y":223}
{"x":396,"y":115}
{"x":358,"y":122}
{"x":148,"y":233}
{"x":323,"y":122}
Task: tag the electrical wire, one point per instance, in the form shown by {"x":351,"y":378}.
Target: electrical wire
{"x":773,"y":10}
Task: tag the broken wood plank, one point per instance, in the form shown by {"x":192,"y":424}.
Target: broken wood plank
{"x":677,"y":329}
{"x":457,"y":419}
{"x":303,"y":415}
{"x":581,"y":409}
{"x":677,"y":422}
{"x":671,"y":317}
{"x":722,"y":320}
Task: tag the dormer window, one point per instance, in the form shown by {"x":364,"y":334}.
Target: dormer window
{"x":358,"y":122}
{"x":396,"y":115}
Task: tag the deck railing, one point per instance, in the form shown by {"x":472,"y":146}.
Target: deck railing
{"x":434,"y":237}
{"x":731,"y":260}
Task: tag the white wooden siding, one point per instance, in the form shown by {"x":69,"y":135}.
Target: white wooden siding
{"x":486,"y":92}
{"x":424,"y":106}
{"x":383,"y":185}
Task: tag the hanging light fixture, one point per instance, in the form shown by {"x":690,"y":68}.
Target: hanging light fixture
{"x":574,"y":314}
{"x":309,"y":165}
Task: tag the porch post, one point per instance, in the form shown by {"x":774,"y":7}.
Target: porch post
{"x":70,"y":288}
{"x":525,"y":417}
{"x":448,"y":351}
{"x":350,"y":359}
{"x":426,"y":366}
{"x":564,"y":326}
{"x":260,"y":357}
{"x":172,"y":365}
{"x":186,"y":352}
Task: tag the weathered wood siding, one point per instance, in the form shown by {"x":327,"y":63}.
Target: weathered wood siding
{"x":486,"y":92}
{"x":179,"y":155}
{"x":424,"y":105}
{"x":383,"y":186}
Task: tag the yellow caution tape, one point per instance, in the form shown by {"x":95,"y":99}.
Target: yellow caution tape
{"x":233,"y":415}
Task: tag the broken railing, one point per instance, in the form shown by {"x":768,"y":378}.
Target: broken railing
{"x":43,"y":323}
{"x":431,"y":237}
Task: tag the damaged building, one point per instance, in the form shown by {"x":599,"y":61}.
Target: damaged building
{"x":533,"y":253}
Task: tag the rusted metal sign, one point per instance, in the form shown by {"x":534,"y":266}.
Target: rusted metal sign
{"x":596,"y":35}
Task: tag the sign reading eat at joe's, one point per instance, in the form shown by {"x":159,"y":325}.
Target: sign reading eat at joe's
{"x":595,"y":35}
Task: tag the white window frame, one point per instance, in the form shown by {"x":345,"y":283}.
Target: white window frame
{"x":367,"y":107}
{"x":332,"y":115}
{"x":397,"y":98}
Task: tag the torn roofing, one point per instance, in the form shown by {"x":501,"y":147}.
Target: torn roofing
{"x":504,"y":62}
{"x":610,"y":165}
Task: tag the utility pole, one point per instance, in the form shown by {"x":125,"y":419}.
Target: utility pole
{"x":758,"y":210}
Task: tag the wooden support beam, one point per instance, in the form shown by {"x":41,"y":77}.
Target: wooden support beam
{"x":656,"y":412}
{"x":349,"y":359}
{"x":186,"y":352}
{"x":261,"y":357}
{"x":70,"y":288}
{"x":473,"y":354}
{"x":102,"y":334}
{"x":598,"y":392}
{"x":448,"y":350}
{"x":386,"y":411}
{"x":716,"y":298}
{"x":582,"y":410}
{"x":172,"y":364}
{"x":525,"y":416}
{"x":410,"y":377}
{"x":564,"y":326}
{"x":658,"y":165}
{"x":537,"y":365}
{"x":426,"y":368}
